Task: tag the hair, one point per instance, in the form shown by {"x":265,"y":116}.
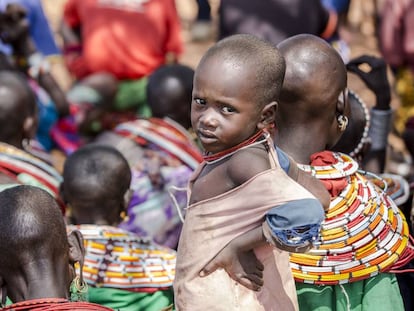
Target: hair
{"x":169,"y":92}
{"x":31,"y":227}
{"x":261,"y":56}
{"x":96,"y":171}
{"x":17,"y":102}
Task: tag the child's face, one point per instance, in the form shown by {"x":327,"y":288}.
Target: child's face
{"x":223,"y":110}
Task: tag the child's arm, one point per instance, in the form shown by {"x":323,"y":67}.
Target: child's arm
{"x":238,"y":259}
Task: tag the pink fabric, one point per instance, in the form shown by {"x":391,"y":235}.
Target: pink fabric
{"x":211,"y":224}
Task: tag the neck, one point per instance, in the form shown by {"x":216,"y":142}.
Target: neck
{"x":88,"y":219}
{"x":41,"y":279}
{"x":254,"y":139}
{"x":295,"y":142}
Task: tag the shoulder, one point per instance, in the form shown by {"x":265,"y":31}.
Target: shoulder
{"x":247,"y":163}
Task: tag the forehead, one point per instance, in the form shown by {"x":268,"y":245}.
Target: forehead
{"x":225,"y":75}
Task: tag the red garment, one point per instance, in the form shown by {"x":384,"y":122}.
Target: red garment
{"x":54,"y":304}
{"x":128,"y":38}
{"x":326,"y":158}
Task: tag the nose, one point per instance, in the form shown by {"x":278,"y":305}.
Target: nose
{"x":208,"y":119}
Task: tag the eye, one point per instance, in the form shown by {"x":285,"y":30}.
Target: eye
{"x":228,"y":109}
{"x":200,"y":101}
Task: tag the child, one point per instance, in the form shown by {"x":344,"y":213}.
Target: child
{"x":123,"y":270}
{"x":364,"y":233}
{"x":236,"y":86}
{"x":36,"y":254}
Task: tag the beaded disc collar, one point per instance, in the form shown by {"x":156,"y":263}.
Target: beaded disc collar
{"x":364,"y":232}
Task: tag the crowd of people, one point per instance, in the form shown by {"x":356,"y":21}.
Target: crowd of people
{"x":257,"y":180}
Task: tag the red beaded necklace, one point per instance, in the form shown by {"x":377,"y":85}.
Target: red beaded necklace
{"x":225,"y":153}
{"x":54,"y":304}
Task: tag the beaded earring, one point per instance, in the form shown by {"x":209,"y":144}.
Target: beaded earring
{"x":78,"y":288}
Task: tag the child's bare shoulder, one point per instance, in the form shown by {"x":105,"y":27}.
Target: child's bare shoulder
{"x":247,"y":163}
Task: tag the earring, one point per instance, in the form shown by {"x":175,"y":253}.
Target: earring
{"x":78,"y":289}
{"x":342,"y":122}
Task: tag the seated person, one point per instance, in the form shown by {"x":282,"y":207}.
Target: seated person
{"x":18,"y":122}
{"x":161,"y":152}
{"x":51,"y":100}
{"x":37,"y":267}
{"x":134,"y":39}
{"x":124,"y":271}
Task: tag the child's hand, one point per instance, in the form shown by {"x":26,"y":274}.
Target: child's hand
{"x":242,"y":266}
{"x":374,"y":76}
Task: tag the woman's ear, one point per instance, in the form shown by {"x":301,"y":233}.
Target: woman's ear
{"x":268,"y":117}
{"x":76,"y":247}
{"x":29,"y":128}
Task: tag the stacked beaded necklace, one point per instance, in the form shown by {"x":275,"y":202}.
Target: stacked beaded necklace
{"x":364,"y":232}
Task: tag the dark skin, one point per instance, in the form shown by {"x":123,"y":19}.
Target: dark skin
{"x":309,"y":106}
{"x":46,"y":269}
{"x":223,"y":115}
{"x":14,"y":99}
{"x":95,"y":198}
{"x":374,"y":75}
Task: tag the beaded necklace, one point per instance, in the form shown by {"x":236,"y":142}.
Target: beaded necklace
{"x":365,"y":138}
{"x":252,"y":141}
{"x":364,"y":232}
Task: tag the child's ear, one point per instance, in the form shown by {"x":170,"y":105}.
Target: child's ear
{"x":268,"y":116}
{"x":76,"y":247}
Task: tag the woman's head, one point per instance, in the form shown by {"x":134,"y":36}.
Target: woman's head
{"x":34,"y":245}
{"x":96,"y":180}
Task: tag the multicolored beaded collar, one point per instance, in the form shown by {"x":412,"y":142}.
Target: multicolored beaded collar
{"x":364,"y":232}
{"x":119,"y":259}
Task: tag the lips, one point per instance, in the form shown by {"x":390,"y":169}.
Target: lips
{"x":206,"y":136}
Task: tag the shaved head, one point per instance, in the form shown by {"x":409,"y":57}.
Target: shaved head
{"x":313,"y":97}
{"x":266,"y":64}
{"x":315,"y":75}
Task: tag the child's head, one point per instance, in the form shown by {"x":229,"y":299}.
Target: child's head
{"x":34,"y":245}
{"x":236,"y":89}
{"x":96,"y":180}
{"x":18,"y":110}
{"x":314,"y":90}
{"x":169,"y":93}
